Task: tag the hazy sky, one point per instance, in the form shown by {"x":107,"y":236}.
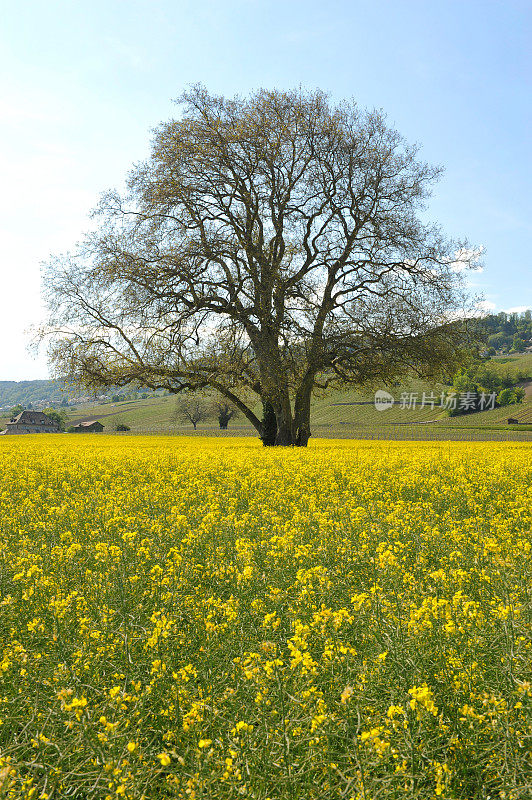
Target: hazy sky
{"x":84,"y":82}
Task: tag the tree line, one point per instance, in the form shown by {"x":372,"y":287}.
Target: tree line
{"x":505,"y":332}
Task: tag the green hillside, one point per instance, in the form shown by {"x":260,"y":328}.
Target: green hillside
{"x":25,"y":392}
{"x":498,"y":416}
{"x":335,"y":413}
{"x":512,"y":365}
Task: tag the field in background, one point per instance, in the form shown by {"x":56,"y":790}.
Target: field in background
{"x":338,"y":414}
{"x":510,"y":365}
{"x":352,"y":414}
{"x":342,"y":414}
{"x":198,"y":618}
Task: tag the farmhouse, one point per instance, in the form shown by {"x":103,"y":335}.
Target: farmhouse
{"x":88,"y":427}
{"x":31,"y":422}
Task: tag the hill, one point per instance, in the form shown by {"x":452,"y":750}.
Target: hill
{"x":349,"y":414}
{"x":40,"y":394}
{"x":36,"y":393}
{"x":507,"y":332}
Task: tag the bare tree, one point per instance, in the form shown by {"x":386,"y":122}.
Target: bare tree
{"x":191,"y":409}
{"x":224,"y":411}
{"x":270,"y":246}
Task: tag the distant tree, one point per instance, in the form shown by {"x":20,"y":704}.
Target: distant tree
{"x":224,"y":411}
{"x":487,"y":380}
{"x":479,"y":379}
{"x":58,"y":416}
{"x":518,"y":345}
{"x":463,"y":382}
{"x":122,"y":427}
{"x":508,"y":397}
{"x":507,"y":380}
{"x":191,"y":408}
{"x":499,"y":340}
{"x":16,"y":410}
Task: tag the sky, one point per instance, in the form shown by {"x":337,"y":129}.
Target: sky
{"x":85,"y":83}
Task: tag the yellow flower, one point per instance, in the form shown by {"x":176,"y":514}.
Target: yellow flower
{"x":347,"y":694}
{"x":307,"y":552}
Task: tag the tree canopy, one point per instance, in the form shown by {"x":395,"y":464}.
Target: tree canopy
{"x":270,"y":246}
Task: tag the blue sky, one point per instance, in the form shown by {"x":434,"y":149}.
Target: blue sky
{"x":86,"y":81}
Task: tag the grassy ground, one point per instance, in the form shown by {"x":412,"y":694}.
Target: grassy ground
{"x":343,"y":414}
{"x":511,"y":365}
{"x":338,"y":414}
{"x":206,"y":620}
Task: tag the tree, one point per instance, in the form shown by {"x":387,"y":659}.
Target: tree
{"x":192,"y":409}
{"x":508,"y":397}
{"x":499,"y":340}
{"x":16,"y":410}
{"x":224,"y":411}
{"x":519,"y":394}
{"x":463,"y":382}
{"x":518,"y":345}
{"x":271,"y":246}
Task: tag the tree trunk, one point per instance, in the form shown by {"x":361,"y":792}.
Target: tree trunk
{"x":277,"y":425}
{"x":302,"y":436}
{"x":285,"y":422}
{"x":280,"y":429}
{"x":269,"y":424}
{"x":302,"y":413}
{"x":284,"y":437}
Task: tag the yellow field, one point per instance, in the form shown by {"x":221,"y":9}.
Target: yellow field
{"x":204,"y":618}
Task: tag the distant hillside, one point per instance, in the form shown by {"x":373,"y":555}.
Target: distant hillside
{"x":347,"y":412}
{"x":511,"y":333}
{"x":40,"y":394}
{"x":25,"y":392}
{"x":52,"y":393}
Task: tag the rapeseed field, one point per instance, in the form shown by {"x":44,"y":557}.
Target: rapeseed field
{"x":205,"y":618}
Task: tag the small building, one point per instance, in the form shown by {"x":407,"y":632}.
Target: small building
{"x":31,"y":422}
{"x":88,"y":427}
